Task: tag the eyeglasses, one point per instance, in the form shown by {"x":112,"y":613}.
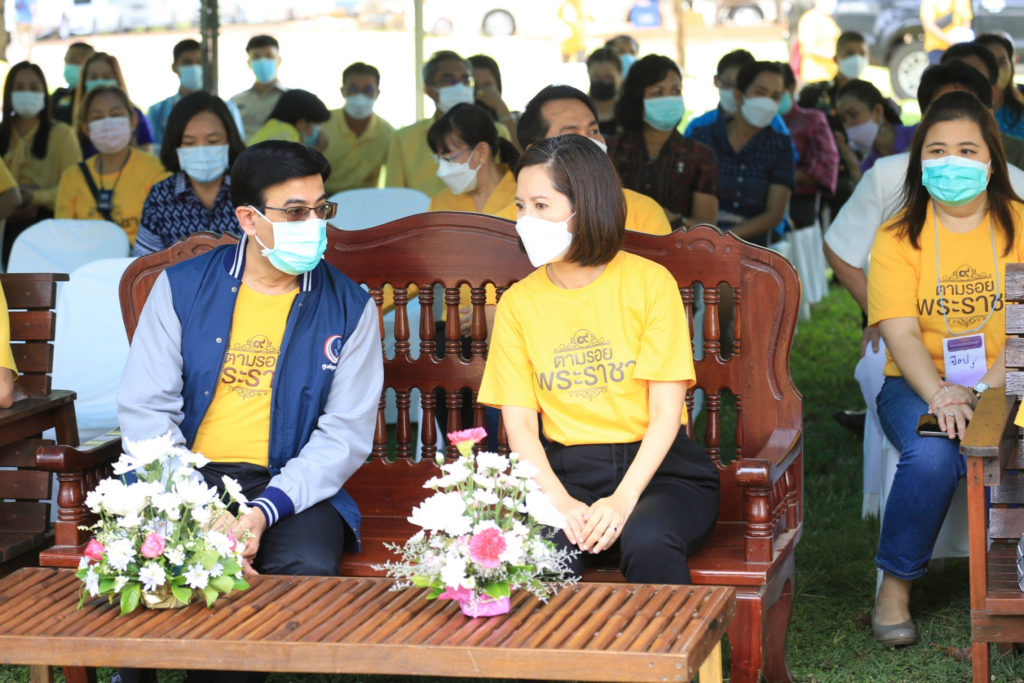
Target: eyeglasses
{"x":294,"y":214}
{"x":451,"y":157}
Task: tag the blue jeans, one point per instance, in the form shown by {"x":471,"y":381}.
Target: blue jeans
{"x":926,"y":479}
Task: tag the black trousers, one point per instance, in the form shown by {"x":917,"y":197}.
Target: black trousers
{"x":673,"y":518}
{"x":309,"y":543}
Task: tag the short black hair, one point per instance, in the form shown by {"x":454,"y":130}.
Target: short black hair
{"x":849,"y":37}
{"x":433,"y":65}
{"x":736,"y":58}
{"x":187,"y":107}
{"x":261,"y":40}
{"x":487,"y":63}
{"x":955,"y":72}
{"x":270,"y":163}
{"x":186,"y":45}
{"x":623,"y":36}
{"x":532,"y":126}
{"x":629,"y":109}
{"x":298,"y":104}
{"x":751,"y":71}
{"x":360,"y":68}
{"x":788,"y":77}
{"x":604,"y":54}
{"x":960,"y":51}
{"x":79,"y":45}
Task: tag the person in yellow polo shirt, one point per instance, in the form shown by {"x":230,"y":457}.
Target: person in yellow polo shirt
{"x":357,"y":138}
{"x":562,"y":109}
{"x":114,"y":183}
{"x":817,"y":33}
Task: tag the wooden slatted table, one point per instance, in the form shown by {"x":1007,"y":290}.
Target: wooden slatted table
{"x":593,"y":632}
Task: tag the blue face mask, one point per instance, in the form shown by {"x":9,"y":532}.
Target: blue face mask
{"x":785,"y":103}
{"x":627,"y":60}
{"x":94,"y":83}
{"x":298,"y":247}
{"x":72,"y":72}
{"x":954,"y":180}
{"x":265,"y":69}
{"x":663,"y":113}
{"x":204,"y":163}
{"x":310,"y":140}
{"x":191,"y":76}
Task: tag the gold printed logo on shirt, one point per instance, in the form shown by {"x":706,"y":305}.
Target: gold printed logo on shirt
{"x":965,"y":296}
{"x":249,"y":367}
{"x":583,"y":367}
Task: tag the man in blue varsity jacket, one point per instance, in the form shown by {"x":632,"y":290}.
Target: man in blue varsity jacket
{"x":267,"y":360}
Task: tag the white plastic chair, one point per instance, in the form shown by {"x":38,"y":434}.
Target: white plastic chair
{"x":64,"y":245}
{"x":370,"y":207}
{"x":90,"y":345}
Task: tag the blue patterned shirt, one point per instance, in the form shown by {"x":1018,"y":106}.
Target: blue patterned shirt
{"x":1009,"y":122}
{"x":173,"y":211}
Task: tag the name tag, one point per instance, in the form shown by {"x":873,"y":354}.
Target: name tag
{"x":965,"y":359}
{"x":105,"y":200}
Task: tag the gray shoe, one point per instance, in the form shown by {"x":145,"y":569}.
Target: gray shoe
{"x":894,"y":635}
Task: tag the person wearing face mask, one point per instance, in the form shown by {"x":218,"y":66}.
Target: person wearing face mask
{"x":605,"y":71}
{"x":873,"y":129}
{"x":756,"y":170}
{"x":63,"y":99}
{"x":112,"y":184}
{"x":357,"y":137}
{"x":188,"y":67}
{"x":448,"y":81}
{"x":103,"y":69}
{"x":487,"y":90}
{"x":817,"y":32}
{"x":626,"y":48}
{"x":35,"y":148}
{"x":652,"y":157}
{"x":958,"y":228}
{"x":201,"y":144}
{"x":297,"y":117}
{"x":256,"y":103}
{"x":617,"y":465}
{"x":266,"y":359}
{"x":1007,"y":99}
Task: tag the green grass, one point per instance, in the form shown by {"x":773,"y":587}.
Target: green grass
{"x":829,"y":637}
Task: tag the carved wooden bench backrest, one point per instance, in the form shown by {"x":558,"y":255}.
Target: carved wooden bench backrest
{"x":1006,"y":516}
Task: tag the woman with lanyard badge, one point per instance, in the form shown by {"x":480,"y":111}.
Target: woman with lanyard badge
{"x":935,"y":290}
{"x":113,"y":184}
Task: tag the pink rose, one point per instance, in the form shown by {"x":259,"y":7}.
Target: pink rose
{"x":94,"y":551}
{"x":153,"y":546}
{"x":473,"y":435}
{"x":486,"y":547}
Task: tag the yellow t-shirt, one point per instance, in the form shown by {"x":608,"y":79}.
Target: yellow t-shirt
{"x":355,"y":161}
{"x":62,"y":152}
{"x":643,"y":214}
{"x":503,"y":195}
{"x":6,"y":355}
{"x":958,"y":11}
{"x":817,"y":33}
{"x":131,"y":186}
{"x":274,"y":129}
{"x":236,"y":427}
{"x":582,"y":357}
{"x":902,"y":283}
{"x":7,"y":180}
{"x":410,"y":161}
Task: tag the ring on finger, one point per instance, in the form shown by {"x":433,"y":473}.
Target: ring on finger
{"x":613,"y":528}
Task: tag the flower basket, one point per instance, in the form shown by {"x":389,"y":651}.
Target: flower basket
{"x":484,"y":532}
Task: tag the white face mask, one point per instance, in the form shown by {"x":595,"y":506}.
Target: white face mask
{"x":450,"y":95}
{"x":759,"y":111}
{"x":727,"y":99}
{"x":111,"y":134}
{"x":862,"y":136}
{"x":853,"y":66}
{"x":545,"y":241}
{"x":459,"y":178}
{"x":359,"y":106}
{"x":600,"y":145}
{"x":27,"y":103}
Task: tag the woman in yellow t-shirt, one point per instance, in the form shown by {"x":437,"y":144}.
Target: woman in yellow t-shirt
{"x":595,"y":341}
{"x":935,"y":290}
{"x":297,"y":117}
{"x":121,"y":176}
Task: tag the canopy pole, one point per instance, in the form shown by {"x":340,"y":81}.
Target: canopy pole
{"x":209,"y":27}
{"x":418,"y":38}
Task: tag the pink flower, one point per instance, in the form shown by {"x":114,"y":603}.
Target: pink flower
{"x":94,"y":551}
{"x":486,"y":547}
{"x":233,"y":539}
{"x":465,"y":439}
{"x":153,"y":546}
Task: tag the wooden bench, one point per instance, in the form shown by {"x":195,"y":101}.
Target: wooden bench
{"x":25,"y":516}
{"x":760,"y":458}
{"x":995,"y":460}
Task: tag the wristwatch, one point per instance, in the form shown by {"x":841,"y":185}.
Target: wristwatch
{"x":979,"y":389}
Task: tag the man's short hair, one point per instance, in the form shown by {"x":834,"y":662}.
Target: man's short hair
{"x":749,"y":73}
{"x":602,"y":55}
{"x":433,"y":65}
{"x":79,"y":45}
{"x":734,"y":59}
{"x":532,"y":126}
{"x":848,"y":37}
{"x":270,"y":163}
{"x":960,"y":51}
{"x":584,"y":174}
{"x":623,"y":36}
{"x":788,"y":77}
{"x":263,"y":40}
{"x":956,"y":73}
{"x":360,"y":69}
{"x":184,"y":46}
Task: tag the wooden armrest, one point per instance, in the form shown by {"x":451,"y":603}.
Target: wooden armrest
{"x":771,"y":462}
{"x":991,"y":433}
{"x":93,"y":453}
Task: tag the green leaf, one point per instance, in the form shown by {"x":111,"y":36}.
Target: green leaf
{"x":181,"y":593}
{"x":420,"y":581}
{"x":498,"y":589}
{"x":241,"y":585}
{"x":230,"y":566}
{"x":130,"y":596}
{"x":208,"y":558}
{"x":211,"y":595}
{"x":222,"y":584}
{"x":434,"y":593}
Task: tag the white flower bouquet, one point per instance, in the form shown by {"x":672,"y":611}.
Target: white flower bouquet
{"x":482,"y":533}
{"x":165,"y":537}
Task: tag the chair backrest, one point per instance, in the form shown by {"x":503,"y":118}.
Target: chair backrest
{"x":31,"y":298}
{"x":90,"y":345}
{"x":1006,"y":510}
{"x":63,"y":245}
{"x":370,"y":207}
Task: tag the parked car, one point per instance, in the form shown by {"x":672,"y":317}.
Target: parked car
{"x":895,"y":36}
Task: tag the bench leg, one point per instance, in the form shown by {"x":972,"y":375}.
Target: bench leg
{"x":79,"y":674}
{"x":979,"y":662}
{"x":40,"y":674}
{"x":711,"y":669}
{"x":757,"y":635}
{"x":776,"y":630}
